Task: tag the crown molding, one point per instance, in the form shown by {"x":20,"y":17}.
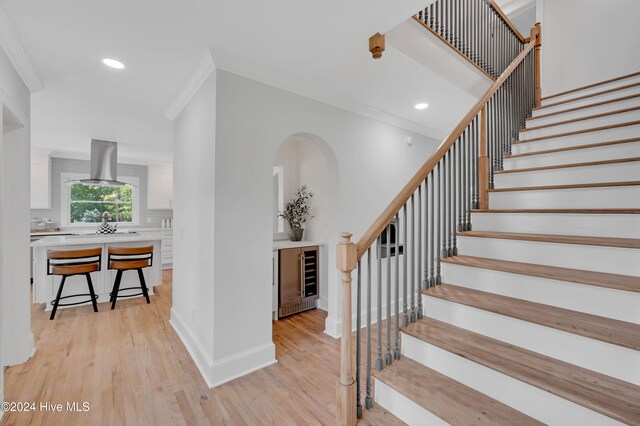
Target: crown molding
{"x":11,"y":45}
{"x":197,"y":78}
{"x":226,"y":64}
{"x":13,"y":106}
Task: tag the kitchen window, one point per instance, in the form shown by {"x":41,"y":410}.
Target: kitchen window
{"x":84,"y":205}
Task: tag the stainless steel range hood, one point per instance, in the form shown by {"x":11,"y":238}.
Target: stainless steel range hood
{"x":104,"y":164}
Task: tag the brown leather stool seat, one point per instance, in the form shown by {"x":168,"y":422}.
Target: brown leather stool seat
{"x":126,"y":259}
{"x":67,"y":263}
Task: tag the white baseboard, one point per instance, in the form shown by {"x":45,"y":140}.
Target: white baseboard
{"x":199,"y":355}
{"x":245,"y":362}
{"x":228,"y":368}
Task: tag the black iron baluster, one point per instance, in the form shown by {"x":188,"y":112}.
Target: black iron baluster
{"x":412,"y":313}
{"x":418,"y":270}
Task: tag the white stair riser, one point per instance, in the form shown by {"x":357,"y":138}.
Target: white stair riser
{"x":591,"y":90}
{"x":596,"y":225}
{"x":525,"y":398}
{"x":404,"y":408}
{"x":616,"y":172}
{"x":570,"y":115}
{"x":605,"y":302}
{"x":589,"y":258}
{"x":579,"y":139}
{"x":605,"y":358}
{"x":609,"y":152}
{"x":581,"y":102}
{"x":580,"y":125}
{"x":579,"y":198}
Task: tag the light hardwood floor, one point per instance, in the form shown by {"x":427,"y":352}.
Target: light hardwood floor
{"x":131,"y":367}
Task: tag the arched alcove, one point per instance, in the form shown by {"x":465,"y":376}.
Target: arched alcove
{"x":307,"y":159}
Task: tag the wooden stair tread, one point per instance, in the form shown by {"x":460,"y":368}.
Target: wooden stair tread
{"x":581,"y":131}
{"x":616,"y":332}
{"x":612,"y":397}
{"x":577,"y":276}
{"x":579,"y":98}
{"x":452,"y":401}
{"x":610,"y":101}
{"x":569,"y":186}
{"x":571,"y":165}
{"x":629,"y":243}
{"x":586,"y":117}
{"x":572,"y":148}
{"x":561,"y":211}
{"x":589,"y":86}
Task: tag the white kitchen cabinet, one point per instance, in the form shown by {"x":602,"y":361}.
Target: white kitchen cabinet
{"x":166,"y":246}
{"x":40,"y":180}
{"x":160,"y":187}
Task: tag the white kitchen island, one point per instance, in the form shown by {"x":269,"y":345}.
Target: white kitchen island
{"x":46,"y":286}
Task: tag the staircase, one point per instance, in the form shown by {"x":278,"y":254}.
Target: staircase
{"x":537,"y":318}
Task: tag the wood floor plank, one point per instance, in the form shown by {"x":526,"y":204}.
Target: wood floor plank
{"x":614,"y":398}
{"x":607,"y":330}
{"x":596,"y":279}
{"x":132,"y":368}
{"x":570,"y":165}
{"x":631,"y":243}
{"x":452,"y":401}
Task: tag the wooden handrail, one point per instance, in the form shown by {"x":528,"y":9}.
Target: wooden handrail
{"x":369,"y":237}
{"x":497,"y":8}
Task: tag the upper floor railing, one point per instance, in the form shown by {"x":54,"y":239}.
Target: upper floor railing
{"x":478,"y":29}
{"x":399,"y":256}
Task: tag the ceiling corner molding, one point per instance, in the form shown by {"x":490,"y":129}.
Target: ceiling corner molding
{"x":197,"y":78}
{"x":11,"y":45}
{"x":13,"y":106}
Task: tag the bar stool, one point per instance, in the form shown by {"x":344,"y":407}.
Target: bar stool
{"x":129,"y":258}
{"x":67,"y":263}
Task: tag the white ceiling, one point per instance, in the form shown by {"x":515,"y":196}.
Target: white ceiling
{"x":316,"y":48}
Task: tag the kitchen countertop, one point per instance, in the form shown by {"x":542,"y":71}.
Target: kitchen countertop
{"x":91,"y":231}
{"x":67,"y":240}
{"x":285,"y":244}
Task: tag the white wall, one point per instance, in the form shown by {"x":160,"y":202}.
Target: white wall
{"x":64,"y":120}
{"x":368,"y":161}
{"x":587,"y":41}
{"x":372,"y":163}
{"x":16,"y":340}
{"x":193,"y":214}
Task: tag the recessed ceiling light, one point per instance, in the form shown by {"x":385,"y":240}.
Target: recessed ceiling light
{"x":421,"y":105}
{"x":113,"y":63}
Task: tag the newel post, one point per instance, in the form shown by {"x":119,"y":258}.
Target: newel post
{"x":346,"y":261}
{"x":538,"y":30}
{"x":483,"y":161}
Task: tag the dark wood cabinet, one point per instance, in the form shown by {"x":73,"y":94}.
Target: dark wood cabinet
{"x":298,"y":271}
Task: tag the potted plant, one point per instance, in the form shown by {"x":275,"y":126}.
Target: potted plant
{"x":297,"y":212}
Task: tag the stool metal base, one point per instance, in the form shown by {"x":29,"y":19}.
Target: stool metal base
{"x":116,"y":288}
{"x":92,"y":296}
